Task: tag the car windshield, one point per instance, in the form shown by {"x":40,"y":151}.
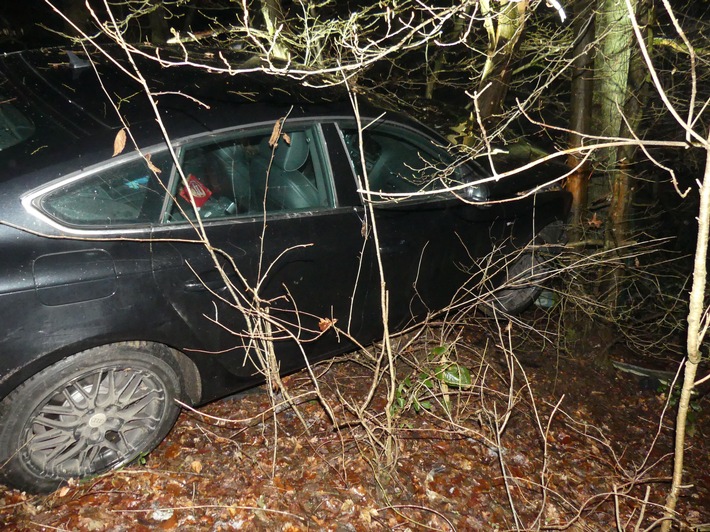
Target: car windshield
{"x":14,"y":126}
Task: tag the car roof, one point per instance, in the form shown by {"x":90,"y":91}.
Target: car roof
{"x":59,"y":91}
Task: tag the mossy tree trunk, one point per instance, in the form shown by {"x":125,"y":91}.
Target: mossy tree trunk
{"x":504,"y":30}
{"x":637,"y":99}
{"x":618,"y":105}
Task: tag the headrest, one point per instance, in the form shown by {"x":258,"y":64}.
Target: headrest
{"x":292,"y":156}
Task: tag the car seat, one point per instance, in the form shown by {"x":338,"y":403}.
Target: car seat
{"x":285,"y":186}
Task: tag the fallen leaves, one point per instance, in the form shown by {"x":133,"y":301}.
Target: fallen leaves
{"x":151,"y":166}
{"x":275,"y":133}
{"x":210,"y":477}
{"x":595,"y":222}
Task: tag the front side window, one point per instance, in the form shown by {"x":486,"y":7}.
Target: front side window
{"x":130,"y":193}
{"x":400,"y":161}
{"x":249,"y":174}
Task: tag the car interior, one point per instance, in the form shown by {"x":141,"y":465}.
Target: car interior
{"x":242,"y":176}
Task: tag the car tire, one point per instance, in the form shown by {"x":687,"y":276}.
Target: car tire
{"x":524,"y":270}
{"x":86,"y":414}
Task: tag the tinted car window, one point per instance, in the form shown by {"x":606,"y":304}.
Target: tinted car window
{"x":14,"y":126}
{"x":124,"y":194}
{"x":400,"y":161}
{"x":244,"y":174}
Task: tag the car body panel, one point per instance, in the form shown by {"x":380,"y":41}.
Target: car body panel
{"x":67,"y":287}
{"x":74,"y":276}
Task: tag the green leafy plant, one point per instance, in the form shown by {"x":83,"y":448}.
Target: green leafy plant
{"x":141,"y":459}
{"x":440,"y":372}
{"x":694,"y":407}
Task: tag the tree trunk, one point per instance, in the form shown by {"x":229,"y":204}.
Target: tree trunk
{"x":581,"y":112}
{"x":615,"y":34}
{"x":613,"y":83}
{"x":503,"y":41}
{"x":696,"y":333}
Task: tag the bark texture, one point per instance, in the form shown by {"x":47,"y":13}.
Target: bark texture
{"x":504,"y":31}
{"x":580,"y":111}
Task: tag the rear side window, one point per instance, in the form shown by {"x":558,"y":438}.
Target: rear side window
{"x":125,"y":194}
{"x":248,"y":174}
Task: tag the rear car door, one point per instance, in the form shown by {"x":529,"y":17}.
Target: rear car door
{"x":280,"y":235}
{"x":449,"y":233}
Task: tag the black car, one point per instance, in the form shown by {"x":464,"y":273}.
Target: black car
{"x":127,"y":281}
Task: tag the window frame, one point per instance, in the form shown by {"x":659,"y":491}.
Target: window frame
{"x":32,"y":201}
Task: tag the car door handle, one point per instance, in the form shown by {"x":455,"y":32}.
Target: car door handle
{"x":198,"y":286}
{"x":401,"y":246}
{"x":211,"y":280}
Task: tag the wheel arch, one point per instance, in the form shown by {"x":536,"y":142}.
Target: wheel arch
{"x":187,"y":370}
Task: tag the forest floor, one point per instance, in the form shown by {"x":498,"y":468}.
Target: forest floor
{"x":584,"y":447}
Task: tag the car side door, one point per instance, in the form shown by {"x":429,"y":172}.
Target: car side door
{"x":418,"y":194}
{"x":278,"y":238}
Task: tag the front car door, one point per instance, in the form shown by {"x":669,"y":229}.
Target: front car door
{"x":447,"y":231}
{"x":420,"y":228}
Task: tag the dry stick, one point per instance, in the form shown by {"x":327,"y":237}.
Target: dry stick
{"x":614,"y":142}
{"x":501,"y":463}
{"x":260,"y":322}
{"x":423,"y":508}
{"x":687,"y":126}
{"x":390,"y":448}
{"x":137,"y":75}
{"x":544,"y":433}
{"x":545,"y":448}
{"x":617,"y":516}
{"x":247,"y":420}
{"x":407,"y":37}
{"x":656,"y":162}
{"x":637,"y":528}
{"x":666,"y":404}
{"x":208,"y":507}
{"x":700,"y":381}
{"x":693,"y":70}
{"x":584,"y":150}
{"x":144,"y":84}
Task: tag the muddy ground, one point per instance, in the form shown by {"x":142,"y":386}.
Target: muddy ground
{"x":585,"y":447}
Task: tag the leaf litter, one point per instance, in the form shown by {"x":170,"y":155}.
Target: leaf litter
{"x":593,"y":469}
